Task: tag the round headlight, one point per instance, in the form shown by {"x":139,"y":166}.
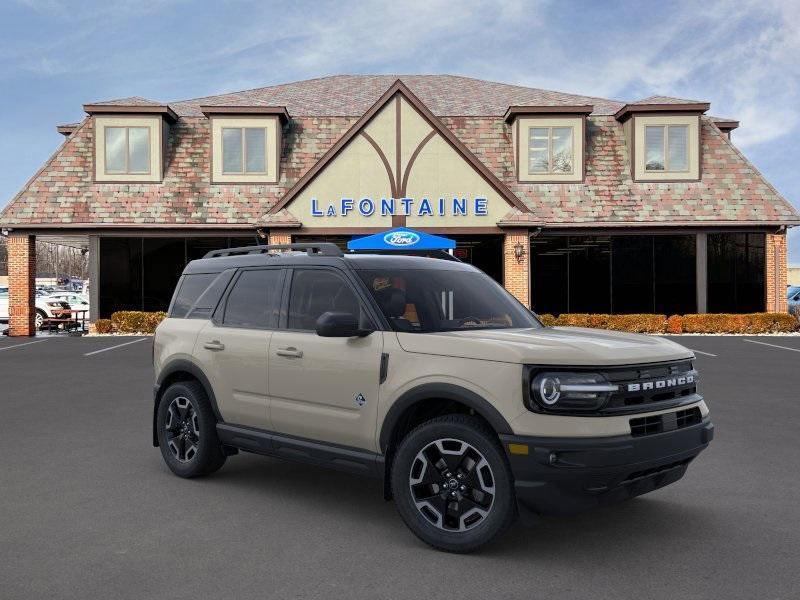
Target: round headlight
{"x":549,"y":390}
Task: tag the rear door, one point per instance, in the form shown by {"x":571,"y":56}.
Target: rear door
{"x":324,"y":388}
{"x":232,"y":348}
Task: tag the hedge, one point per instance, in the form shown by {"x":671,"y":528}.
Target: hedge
{"x":707,"y":323}
{"x":136,"y":321}
{"x":103,"y":326}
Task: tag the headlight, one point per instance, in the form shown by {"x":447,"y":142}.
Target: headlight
{"x":58,"y":304}
{"x":571,"y":391}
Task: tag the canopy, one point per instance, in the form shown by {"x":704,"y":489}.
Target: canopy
{"x":401,"y":238}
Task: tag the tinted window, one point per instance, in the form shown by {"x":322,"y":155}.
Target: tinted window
{"x":429,"y":300}
{"x":191,"y":287}
{"x":254,"y":300}
{"x":316,"y":291}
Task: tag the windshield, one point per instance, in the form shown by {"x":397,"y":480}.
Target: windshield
{"x":433,"y":300}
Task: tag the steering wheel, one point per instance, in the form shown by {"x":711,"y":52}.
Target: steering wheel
{"x":469,"y":319}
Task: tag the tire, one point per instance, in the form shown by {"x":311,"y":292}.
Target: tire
{"x":187,"y":431}
{"x":39,"y":318}
{"x":463,"y":503}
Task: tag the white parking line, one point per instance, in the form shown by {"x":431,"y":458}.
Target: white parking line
{"x":20,"y":345}
{"x":703,"y":353}
{"x":114,"y":347}
{"x":772,"y":345}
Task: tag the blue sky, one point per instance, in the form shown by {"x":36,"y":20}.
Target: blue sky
{"x":56,"y":55}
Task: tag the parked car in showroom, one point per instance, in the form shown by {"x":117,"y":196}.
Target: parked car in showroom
{"x":75,"y":300}
{"x":47,"y":307}
{"x":425,"y":373}
{"x":793,"y":296}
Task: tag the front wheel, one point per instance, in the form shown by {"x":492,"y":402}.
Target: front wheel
{"x":187,"y":431}
{"x":452,"y":484}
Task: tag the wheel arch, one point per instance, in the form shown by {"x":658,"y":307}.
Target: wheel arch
{"x":181,"y":370}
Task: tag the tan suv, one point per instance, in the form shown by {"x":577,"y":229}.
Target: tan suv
{"x":421,"y":371}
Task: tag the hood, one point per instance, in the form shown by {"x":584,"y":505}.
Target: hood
{"x":547,"y":346}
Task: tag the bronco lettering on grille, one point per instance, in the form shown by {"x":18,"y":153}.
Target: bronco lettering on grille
{"x":658,"y":384}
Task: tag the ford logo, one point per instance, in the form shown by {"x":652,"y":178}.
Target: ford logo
{"x":401,"y":238}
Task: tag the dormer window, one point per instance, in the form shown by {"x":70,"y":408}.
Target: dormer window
{"x":244,"y":150}
{"x":550,"y":150}
{"x":666,"y":148}
{"x":127,"y":150}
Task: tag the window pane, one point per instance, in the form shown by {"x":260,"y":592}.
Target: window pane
{"x":256,"y":151}
{"x":537,"y":161}
{"x":538,"y":150}
{"x":589,"y":274}
{"x":254,"y":300}
{"x":736,"y":272}
{"x":654,"y":148}
{"x":549,"y":274}
{"x":678,"y":140}
{"x":121,"y":273}
{"x":191,"y":288}
{"x":632,"y":274}
{"x":115,"y":149}
{"x":562,"y":149}
{"x":139,"y":149}
{"x":675,"y":279}
{"x":231,"y":150}
{"x":163,"y":260}
{"x":315,"y":292}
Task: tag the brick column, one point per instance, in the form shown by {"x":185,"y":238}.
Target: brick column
{"x":280,"y":236}
{"x":517,"y":273}
{"x":775,"y":273}
{"x":21,"y":284}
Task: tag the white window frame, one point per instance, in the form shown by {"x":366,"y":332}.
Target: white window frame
{"x":127,"y":129}
{"x":272,"y":155}
{"x":520,"y":133}
{"x":665,"y":148}
{"x":550,"y":170}
{"x":243,"y":129}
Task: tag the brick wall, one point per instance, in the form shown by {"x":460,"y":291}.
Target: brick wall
{"x":516,"y":274}
{"x":280,"y":236}
{"x":776,"y":273}
{"x":21,"y":284}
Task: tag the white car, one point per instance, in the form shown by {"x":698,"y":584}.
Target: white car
{"x":76,"y":300}
{"x":46,"y":307}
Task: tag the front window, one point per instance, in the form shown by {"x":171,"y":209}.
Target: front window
{"x":436,"y":300}
{"x":244,"y":150}
{"x":550,"y":150}
{"x":666,"y":147}
{"x":127,"y":150}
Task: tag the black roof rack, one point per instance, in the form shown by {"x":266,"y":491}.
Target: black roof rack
{"x":320,"y":249}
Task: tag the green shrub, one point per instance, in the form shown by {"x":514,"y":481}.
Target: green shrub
{"x":136,"y":321}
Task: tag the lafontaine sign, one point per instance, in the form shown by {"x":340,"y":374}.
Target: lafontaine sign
{"x":422,"y":207}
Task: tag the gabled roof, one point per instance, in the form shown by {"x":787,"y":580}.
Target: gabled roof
{"x":130,"y":101}
{"x":67,"y":129}
{"x":134,"y":105}
{"x":665,"y":100}
{"x":398,"y":87}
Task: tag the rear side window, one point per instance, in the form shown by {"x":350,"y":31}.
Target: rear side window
{"x":191,"y":287}
{"x":254,"y":301}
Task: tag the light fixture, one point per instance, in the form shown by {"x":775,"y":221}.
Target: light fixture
{"x":519,"y":252}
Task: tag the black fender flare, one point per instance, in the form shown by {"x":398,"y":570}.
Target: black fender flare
{"x":445,"y":391}
{"x":182,"y":366}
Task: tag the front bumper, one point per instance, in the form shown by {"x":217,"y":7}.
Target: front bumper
{"x":568,"y":475}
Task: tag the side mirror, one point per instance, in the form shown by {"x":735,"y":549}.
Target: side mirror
{"x":340,"y":324}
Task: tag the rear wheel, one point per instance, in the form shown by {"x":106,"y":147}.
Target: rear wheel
{"x":39,"y":319}
{"x":452,"y":484}
{"x":187,"y":431}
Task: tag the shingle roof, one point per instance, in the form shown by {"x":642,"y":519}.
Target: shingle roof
{"x":130,"y":101}
{"x":665,"y":100}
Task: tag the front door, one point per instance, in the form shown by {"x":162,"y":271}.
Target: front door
{"x":233,"y":348}
{"x":324,"y":388}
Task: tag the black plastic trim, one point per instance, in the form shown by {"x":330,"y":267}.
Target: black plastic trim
{"x":324,"y":454}
{"x":384,"y":372}
{"x":444,"y":391}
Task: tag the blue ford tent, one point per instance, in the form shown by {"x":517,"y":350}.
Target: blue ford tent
{"x":401,"y":238}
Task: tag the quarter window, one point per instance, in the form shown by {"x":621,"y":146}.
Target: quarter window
{"x":127,"y":150}
{"x":254,"y":301}
{"x":317,"y":291}
{"x":189,"y":291}
{"x":244,"y":150}
{"x":550,"y":150}
{"x":666,"y":147}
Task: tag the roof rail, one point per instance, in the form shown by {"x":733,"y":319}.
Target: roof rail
{"x":322,"y":249}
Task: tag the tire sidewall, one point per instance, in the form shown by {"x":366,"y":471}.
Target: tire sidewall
{"x":208,"y":447}
{"x":503,"y":509}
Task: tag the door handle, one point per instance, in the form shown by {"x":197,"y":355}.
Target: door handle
{"x":215,"y":345}
{"x":290,"y":352}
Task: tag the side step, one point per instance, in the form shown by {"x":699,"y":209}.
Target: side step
{"x":332,"y":456}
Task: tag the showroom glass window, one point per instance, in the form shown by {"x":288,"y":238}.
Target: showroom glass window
{"x":244,"y":150}
{"x":736,"y":264}
{"x":550,"y":150}
{"x":127,"y":150}
{"x":666,"y":148}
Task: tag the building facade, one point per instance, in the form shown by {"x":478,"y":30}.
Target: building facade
{"x":573,"y":203}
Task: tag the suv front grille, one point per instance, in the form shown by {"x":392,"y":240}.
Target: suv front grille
{"x":653,"y":424}
{"x":643,"y":385}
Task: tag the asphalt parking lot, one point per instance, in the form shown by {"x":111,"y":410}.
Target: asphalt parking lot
{"x":89,"y":510}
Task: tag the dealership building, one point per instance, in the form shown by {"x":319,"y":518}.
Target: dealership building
{"x":573,"y":203}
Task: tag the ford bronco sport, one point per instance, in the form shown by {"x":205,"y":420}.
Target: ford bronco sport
{"x":421,"y":371}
